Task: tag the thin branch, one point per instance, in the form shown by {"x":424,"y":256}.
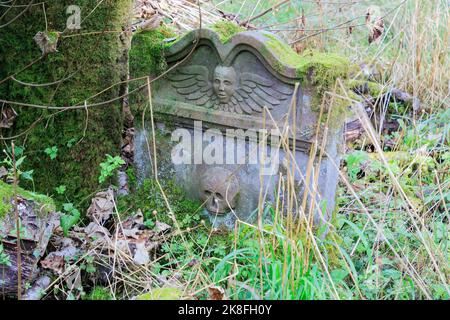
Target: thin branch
{"x":259,"y":15}
{"x":18,"y":16}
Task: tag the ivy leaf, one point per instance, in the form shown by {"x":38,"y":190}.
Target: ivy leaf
{"x":68,"y":221}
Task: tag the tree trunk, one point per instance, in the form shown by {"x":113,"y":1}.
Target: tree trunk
{"x":87,"y":61}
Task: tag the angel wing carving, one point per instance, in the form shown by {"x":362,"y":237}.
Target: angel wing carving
{"x":248,"y":95}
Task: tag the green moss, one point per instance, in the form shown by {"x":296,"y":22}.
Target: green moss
{"x":147,"y":59}
{"x":148,"y":198}
{"x":226,"y":30}
{"x":282,"y":50}
{"x":95,"y":62}
{"x":323,"y":68}
{"x":99,"y":293}
{"x":7,"y":193}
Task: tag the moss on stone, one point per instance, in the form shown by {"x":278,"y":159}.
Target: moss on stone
{"x":53,"y":36}
{"x":165,"y":293}
{"x":94,"y":62}
{"x":7,"y":193}
{"x":147,"y":52}
{"x":320,"y":70}
{"x":339,"y":108}
{"x":282,"y":50}
{"x":226,"y":30}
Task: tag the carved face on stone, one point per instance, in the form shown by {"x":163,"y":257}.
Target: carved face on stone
{"x":224,"y":83}
{"x":219,"y":190}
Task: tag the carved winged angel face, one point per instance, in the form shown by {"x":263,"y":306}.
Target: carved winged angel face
{"x":224,"y":83}
{"x":245,"y":92}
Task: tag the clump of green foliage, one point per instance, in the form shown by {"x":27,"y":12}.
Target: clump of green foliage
{"x":109,"y":166}
{"x":226,"y":30}
{"x":52,"y":152}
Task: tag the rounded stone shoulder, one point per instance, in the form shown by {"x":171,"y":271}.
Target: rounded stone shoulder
{"x":271,"y":49}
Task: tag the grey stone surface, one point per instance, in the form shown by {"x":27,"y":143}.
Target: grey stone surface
{"x":239,"y":85}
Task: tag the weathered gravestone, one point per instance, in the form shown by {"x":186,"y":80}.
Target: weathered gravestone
{"x":217,"y":99}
